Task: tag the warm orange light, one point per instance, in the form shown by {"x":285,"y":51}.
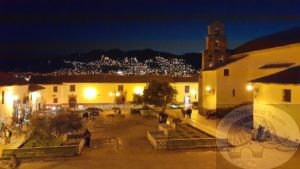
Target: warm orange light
{"x":208,"y":88}
{"x":90,"y":93}
{"x":249,"y":87}
{"x":139,"y":91}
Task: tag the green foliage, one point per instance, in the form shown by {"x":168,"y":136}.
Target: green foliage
{"x":159,"y":94}
{"x":47,"y":129}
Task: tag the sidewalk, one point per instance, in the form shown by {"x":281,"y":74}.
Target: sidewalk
{"x":16,"y":140}
{"x":209,"y":126}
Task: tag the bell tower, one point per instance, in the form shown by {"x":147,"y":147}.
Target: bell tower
{"x":215,"y":46}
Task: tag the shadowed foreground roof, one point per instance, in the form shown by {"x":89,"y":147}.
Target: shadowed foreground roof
{"x":288,"y":76}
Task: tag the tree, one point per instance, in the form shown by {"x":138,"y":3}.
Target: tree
{"x":159,"y":94}
{"x":46,"y":130}
{"x":138,"y":99}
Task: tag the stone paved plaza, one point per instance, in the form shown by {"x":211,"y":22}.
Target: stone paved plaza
{"x":121,"y":143}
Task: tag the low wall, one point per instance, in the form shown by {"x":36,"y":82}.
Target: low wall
{"x":41,"y":152}
{"x":157,"y":139}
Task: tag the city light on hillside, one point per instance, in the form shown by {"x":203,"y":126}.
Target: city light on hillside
{"x":90,"y":93}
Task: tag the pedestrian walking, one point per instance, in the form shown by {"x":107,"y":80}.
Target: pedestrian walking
{"x":87,"y":137}
{"x":189,"y":112}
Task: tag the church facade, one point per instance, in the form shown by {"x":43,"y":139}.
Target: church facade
{"x":225,"y":78}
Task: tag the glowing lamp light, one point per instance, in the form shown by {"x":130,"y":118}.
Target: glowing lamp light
{"x":114,"y":94}
{"x":138,"y":91}
{"x":15,"y":97}
{"x":90,"y":93}
{"x":249,"y":87}
{"x":208,"y":88}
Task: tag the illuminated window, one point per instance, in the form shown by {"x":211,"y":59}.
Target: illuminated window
{"x":72,"y":88}
{"x":226,"y":72}
{"x":2,"y":97}
{"x":54,"y":88}
{"x":55,"y":100}
{"x":186,"y":89}
{"x":287,"y":95}
{"x":120,"y":88}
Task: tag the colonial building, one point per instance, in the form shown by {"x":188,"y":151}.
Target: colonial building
{"x":224,"y":83}
{"x":280,"y":90}
{"x":81,"y":91}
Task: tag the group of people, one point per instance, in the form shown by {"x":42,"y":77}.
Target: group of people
{"x":186,"y":112}
{"x":211,"y":114}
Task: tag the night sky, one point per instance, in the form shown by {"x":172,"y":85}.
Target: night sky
{"x":47,"y":27}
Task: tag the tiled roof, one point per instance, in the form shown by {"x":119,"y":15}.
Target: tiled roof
{"x":35,"y":87}
{"x":108,"y":78}
{"x":7,"y":79}
{"x":274,"y":40}
{"x":276,"y":65}
{"x":288,"y":76}
{"x":230,"y":60}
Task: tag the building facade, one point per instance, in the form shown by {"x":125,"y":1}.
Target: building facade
{"x":20,"y":97}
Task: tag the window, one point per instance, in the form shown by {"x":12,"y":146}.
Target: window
{"x":217,"y":31}
{"x":3,"y":97}
{"x":216,"y":44}
{"x":120,"y":88}
{"x":54,"y":88}
{"x":287,"y":95}
{"x":233,"y":92}
{"x":226,"y":72}
{"x":55,"y":100}
{"x":186,"y":89}
{"x":72,"y":88}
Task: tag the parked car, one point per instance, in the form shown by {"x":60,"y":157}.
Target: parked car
{"x":174,"y":105}
{"x":93,"y":111}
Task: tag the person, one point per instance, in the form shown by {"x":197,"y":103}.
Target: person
{"x":14,"y":162}
{"x":189,"y":112}
{"x":183,"y":112}
{"x":87,"y":137}
{"x":119,"y":112}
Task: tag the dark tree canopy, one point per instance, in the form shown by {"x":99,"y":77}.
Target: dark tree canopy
{"x":47,"y":129}
{"x":159,"y":94}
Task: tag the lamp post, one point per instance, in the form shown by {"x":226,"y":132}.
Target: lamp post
{"x":115,"y":94}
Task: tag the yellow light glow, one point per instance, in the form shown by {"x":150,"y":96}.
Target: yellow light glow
{"x":208,"y":88}
{"x":249,"y":87}
{"x":90,"y":93}
{"x":114,"y":94}
{"x":139,"y":91}
{"x":193,"y":92}
{"x":15,"y":97}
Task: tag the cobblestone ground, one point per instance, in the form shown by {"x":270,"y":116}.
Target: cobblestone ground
{"x":121,"y":143}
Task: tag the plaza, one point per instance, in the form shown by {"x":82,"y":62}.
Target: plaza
{"x":122,"y":143}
